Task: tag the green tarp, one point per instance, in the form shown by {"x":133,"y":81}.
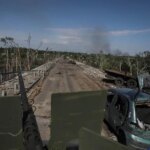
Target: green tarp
{"x":72,"y":111}
{"x":90,"y":140}
{"x":11,"y":123}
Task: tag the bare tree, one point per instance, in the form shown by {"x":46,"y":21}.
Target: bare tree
{"x":36,"y":52}
{"x":11,"y":61}
{"x":45,"y":55}
{"x":28,"y":52}
{"x":7,"y":41}
{"x":4,"y":41}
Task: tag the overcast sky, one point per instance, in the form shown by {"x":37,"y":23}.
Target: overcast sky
{"x":78,"y":25}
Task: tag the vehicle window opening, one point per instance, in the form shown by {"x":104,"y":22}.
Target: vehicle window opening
{"x":143,"y":113}
{"x":121,"y":106}
{"x":110,"y":97}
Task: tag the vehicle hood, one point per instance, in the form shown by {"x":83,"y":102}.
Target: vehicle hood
{"x":140,"y":97}
{"x":142,"y":133}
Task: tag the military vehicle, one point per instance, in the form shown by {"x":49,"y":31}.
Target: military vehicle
{"x":121,"y":79}
{"x":76,"y":122}
{"x":18,"y":127}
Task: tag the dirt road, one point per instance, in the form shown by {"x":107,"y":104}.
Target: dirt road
{"x":64,"y":77}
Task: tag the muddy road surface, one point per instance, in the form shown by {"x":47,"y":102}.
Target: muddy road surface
{"x":63,"y":77}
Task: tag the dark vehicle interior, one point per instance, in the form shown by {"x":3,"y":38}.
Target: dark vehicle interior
{"x":110,"y":96}
{"x":143,"y":102}
{"x":120,"y":105}
{"x":143,"y":113}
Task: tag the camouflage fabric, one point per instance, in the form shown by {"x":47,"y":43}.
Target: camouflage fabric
{"x":72,"y":111}
{"x":11,"y":123}
{"x":90,"y":140}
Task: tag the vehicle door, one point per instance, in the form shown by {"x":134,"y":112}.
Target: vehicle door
{"x":110,"y":97}
{"x":112,"y":110}
{"x":118,"y":111}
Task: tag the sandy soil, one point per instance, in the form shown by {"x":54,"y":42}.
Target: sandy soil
{"x":64,"y":77}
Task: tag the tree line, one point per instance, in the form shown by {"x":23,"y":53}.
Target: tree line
{"x":12,"y":55}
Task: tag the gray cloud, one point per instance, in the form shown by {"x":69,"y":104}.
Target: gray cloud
{"x":91,"y":39}
{"x":128,"y":32}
